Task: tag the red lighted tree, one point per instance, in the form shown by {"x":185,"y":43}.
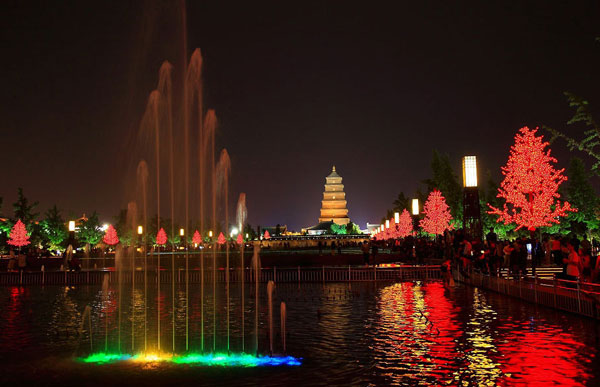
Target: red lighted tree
{"x":196,"y":238}
{"x":240,"y":239}
{"x":267,"y":235}
{"x":530,"y":185}
{"x":161,"y":237}
{"x":405,"y":225}
{"x":18,"y":235}
{"x":110,"y":236}
{"x":437,"y":214}
{"x":221,"y":239}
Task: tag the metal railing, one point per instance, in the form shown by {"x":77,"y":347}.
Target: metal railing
{"x":276,"y":274}
{"x":572,"y":296}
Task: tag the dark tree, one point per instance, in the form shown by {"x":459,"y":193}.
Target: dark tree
{"x":445,"y":179}
{"x":590,"y":138}
{"x":582,"y":196}
{"x":23,"y":209}
{"x":401,"y":203}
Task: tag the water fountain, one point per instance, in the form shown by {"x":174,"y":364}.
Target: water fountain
{"x":161,"y":120}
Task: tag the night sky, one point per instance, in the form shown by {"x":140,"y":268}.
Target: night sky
{"x":369,"y":88}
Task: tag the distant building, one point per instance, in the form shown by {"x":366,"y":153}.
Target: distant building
{"x":320,"y":229}
{"x":275,"y":230}
{"x":371,"y":227}
{"x":333,"y":205}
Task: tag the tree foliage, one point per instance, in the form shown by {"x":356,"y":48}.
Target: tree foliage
{"x":590,"y":140}
{"x":89,"y":231}
{"x":18,"y":235}
{"x":437,"y":214}
{"x":581,"y":195}
{"x":23,"y":209}
{"x":530,"y":185}
{"x":54,"y":228}
{"x":445,"y":179}
{"x":405,"y":225}
{"x":110,"y":236}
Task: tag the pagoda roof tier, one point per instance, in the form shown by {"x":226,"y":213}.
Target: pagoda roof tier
{"x":333,"y":204}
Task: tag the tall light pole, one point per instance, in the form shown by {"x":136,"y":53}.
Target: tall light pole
{"x":471,"y":208}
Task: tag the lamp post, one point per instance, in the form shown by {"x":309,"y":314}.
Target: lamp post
{"x":415,"y":216}
{"x":471,"y":209}
{"x":140,"y":231}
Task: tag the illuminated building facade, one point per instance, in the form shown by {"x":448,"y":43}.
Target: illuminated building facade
{"x":333,"y":205}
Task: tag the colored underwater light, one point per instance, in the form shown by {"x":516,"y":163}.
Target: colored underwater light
{"x":212,"y":359}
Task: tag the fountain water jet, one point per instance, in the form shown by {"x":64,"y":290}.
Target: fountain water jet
{"x":241,"y":216}
{"x":223,"y":172}
{"x":270,"y":288}
{"x":283,"y":317}
{"x":256,"y":270}
{"x":142,"y":183}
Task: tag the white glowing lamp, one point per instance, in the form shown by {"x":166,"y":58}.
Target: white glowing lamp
{"x":469,"y":164}
{"x":415,"y":206}
{"x":104,"y":227}
{"x":387,"y":223}
{"x":210,"y":234}
{"x":396,"y":217}
{"x":181,"y":232}
{"x":71,"y":225}
{"x":140,"y":230}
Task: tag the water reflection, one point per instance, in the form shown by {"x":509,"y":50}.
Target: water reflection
{"x":363,"y":334}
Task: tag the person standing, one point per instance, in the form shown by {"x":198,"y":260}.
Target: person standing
{"x":572,"y":262}
{"x":365,"y":250}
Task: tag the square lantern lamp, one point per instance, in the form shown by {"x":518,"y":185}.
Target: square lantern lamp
{"x":469,"y":167}
{"x":396,"y":217}
{"x":415,"y":207}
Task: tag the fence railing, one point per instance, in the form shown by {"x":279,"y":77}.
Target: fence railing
{"x":276,"y":274}
{"x":572,"y":296}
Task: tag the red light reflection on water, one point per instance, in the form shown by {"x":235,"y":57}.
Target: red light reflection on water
{"x":428,"y":334}
{"x":536,"y":357}
{"x":16,"y":322}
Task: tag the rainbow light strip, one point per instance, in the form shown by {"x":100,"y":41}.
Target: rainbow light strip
{"x":209,"y":360}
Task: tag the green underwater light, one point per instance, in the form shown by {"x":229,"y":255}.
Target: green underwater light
{"x":209,"y":360}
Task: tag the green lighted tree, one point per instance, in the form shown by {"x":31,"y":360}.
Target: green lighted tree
{"x":337,"y":229}
{"x":54,"y":229}
{"x":581,"y":195}
{"x":90,"y":232}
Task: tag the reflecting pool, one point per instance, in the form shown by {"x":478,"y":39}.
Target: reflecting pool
{"x":407,"y":333}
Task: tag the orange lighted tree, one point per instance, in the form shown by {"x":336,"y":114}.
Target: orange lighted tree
{"x":18,"y":235}
{"x":197,"y":239}
{"x":110,"y":236}
{"x":405,"y":224}
{"x":437,"y":214}
{"x":161,"y":237}
{"x":221,"y":239}
{"x":530,"y":185}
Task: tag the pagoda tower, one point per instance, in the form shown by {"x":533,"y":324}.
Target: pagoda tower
{"x":333,"y":206}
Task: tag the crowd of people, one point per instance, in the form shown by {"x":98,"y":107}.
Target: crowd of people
{"x":577,"y":257}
